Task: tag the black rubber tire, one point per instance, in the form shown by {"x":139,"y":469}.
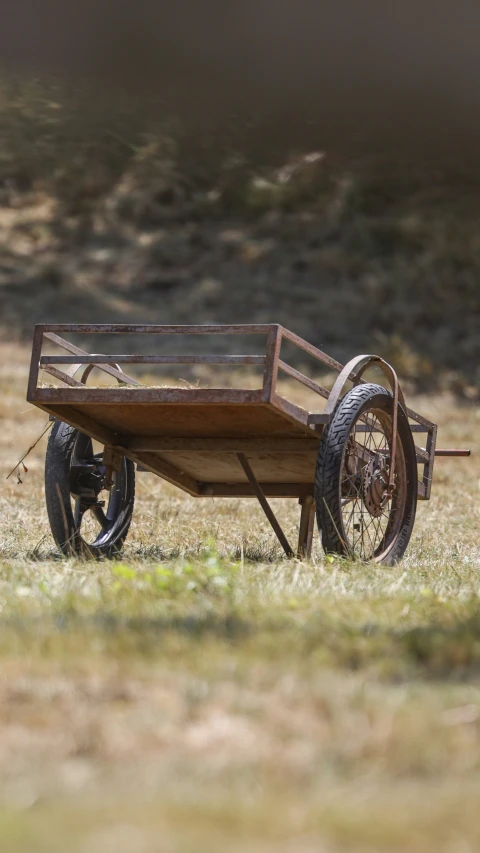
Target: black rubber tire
{"x":58,"y":499}
{"x":330,"y":465}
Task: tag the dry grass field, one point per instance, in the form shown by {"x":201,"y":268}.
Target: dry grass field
{"x":205,"y":694}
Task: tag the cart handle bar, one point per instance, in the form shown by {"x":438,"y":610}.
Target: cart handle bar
{"x":452,"y":452}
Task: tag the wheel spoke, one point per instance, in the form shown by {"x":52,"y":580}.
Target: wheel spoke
{"x":78,"y":513}
{"x":102,"y":519}
{"x":369,"y":525}
{"x":350,"y":518}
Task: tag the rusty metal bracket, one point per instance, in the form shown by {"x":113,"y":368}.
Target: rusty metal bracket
{"x":112,"y":462}
{"x":264,"y":504}
{"x":112,"y":459}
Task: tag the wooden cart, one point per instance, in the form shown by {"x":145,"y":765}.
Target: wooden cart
{"x":361,"y":458}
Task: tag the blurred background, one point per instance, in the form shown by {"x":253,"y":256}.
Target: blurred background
{"x":310,"y":163}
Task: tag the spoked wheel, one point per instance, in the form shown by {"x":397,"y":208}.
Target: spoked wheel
{"x":356,"y":513}
{"x":88,"y":515}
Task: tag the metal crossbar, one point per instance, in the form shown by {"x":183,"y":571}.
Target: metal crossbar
{"x":152,"y":359}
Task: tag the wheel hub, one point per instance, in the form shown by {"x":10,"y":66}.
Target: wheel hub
{"x":375,"y":486}
{"x":86,"y":482}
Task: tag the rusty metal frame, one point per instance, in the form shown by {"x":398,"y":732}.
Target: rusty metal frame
{"x":144,"y":451}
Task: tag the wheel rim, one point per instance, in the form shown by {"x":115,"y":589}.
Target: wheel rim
{"x":96,"y":509}
{"x":371,"y":518}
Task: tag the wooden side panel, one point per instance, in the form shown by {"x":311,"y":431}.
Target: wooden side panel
{"x":196,"y":420}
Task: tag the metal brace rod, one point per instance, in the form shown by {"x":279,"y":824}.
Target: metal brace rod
{"x":264,"y":504}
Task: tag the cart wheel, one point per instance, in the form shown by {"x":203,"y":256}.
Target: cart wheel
{"x":355,"y":515}
{"x":84,"y":518}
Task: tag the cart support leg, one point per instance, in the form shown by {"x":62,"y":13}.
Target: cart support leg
{"x":264,"y":504}
{"x":305,"y":534}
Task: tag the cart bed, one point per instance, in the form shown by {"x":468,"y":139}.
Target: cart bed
{"x":281,"y":446}
{"x":192,"y":436}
